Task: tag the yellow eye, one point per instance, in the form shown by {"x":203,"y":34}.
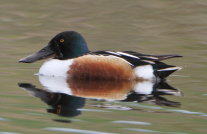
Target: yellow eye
{"x":62,"y":40}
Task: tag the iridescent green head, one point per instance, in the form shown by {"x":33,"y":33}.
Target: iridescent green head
{"x":65,"y":45}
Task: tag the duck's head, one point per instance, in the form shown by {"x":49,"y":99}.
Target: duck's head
{"x":64,"y":45}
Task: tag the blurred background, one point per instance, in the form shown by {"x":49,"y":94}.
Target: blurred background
{"x":150,"y":26}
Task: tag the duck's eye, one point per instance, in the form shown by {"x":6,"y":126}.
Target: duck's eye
{"x":62,"y":40}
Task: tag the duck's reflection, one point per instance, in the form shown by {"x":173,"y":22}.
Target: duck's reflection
{"x":61,"y":104}
{"x":67,"y":96}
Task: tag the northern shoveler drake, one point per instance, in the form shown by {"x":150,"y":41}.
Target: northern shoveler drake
{"x":72,"y":58}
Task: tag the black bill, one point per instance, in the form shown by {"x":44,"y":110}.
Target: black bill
{"x":44,"y":53}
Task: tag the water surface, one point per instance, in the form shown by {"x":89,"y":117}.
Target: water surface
{"x":157,"y":27}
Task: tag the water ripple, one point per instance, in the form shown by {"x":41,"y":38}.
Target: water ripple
{"x":8,"y":133}
{"x":92,"y":110}
{"x":3,"y":119}
{"x":75,"y":130}
{"x":188,"y":112}
{"x":152,"y":131}
{"x":145,"y":106}
{"x":132,"y":122}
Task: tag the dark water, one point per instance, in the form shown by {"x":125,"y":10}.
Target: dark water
{"x":157,"y":27}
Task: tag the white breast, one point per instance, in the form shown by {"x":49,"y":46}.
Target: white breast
{"x":55,"y":84}
{"x":55,"y":67}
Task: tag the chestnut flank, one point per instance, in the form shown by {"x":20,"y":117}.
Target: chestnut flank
{"x":100,"y":68}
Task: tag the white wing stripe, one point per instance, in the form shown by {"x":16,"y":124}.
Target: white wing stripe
{"x":113,"y":53}
{"x":151,"y":62}
{"x":150,"y":57}
{"x":126,"y":54}
{"x":170,"y":68}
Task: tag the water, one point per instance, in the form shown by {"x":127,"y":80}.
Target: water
{"x":157,"y":27}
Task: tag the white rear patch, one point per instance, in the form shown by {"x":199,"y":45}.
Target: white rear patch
{"x":145,"y":72}
{"x":55,"y":67}
{"x":145,"y":87}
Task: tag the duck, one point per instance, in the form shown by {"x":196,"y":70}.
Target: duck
{"x":70,"y":57}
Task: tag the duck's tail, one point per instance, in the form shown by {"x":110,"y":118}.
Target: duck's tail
{"x":163,"y":70}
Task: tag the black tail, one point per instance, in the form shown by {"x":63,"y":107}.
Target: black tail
{"x":167,"y":56}
{"x":163,"y":70}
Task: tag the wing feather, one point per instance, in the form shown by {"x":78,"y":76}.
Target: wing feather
{"x":137,"y":59}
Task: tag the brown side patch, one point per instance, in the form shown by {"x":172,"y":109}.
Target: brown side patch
{"x":116,"y":90}
{"x":100,"y":68}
